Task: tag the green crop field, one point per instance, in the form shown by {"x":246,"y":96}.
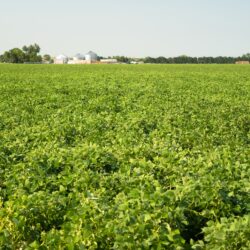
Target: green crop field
{"x":124,"y":157}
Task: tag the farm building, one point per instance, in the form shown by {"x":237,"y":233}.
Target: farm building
{"x":78,"y":57}
{"x":242,"y":62}
{"x":88,"y":58}
{"x":61,"y":59}
{"x":91,"y":57}
{"x":108,"y":61}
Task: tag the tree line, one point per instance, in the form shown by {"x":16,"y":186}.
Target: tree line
{"x":28,"y":54}
{"x":197,"y":60}
{"x":186,"y":59}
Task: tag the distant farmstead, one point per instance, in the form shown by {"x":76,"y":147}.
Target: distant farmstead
{"x":88,"y":58}
{"x":242,"y":62}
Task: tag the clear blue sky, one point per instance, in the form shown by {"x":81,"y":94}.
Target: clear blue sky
{"x":128,"y":27}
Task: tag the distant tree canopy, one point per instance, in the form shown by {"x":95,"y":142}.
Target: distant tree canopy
{"x":13,"y":56}
{"x":28,"y":54}
{"x":246,"y":56}
{"x":47,"y":59}
{"x":196,"y":60}
{"x":122,"y":59}
{"x":187,"y":59}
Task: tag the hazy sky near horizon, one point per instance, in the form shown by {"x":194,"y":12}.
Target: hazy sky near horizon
{"x":135,"y":28}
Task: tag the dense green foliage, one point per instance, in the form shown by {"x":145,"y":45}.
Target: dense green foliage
{"x":197,"y":60}
{"x":124,"y":157}
{"x":186,"y":59}
{"x":28,"y":54}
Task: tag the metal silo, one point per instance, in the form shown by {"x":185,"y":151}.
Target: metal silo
{"x":78,"y":57}
{"x":91,"y":56}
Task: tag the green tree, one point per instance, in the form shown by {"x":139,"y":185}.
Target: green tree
{"x":32,"y":49}
{"x":13,"y":56}
{"x":246,"y":57}
{"x":26,"y":54}
{"x":31,"y":53}
{"x":122,"y":59}
{"x":47,"y":59}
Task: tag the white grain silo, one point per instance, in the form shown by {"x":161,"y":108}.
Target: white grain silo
{"x":91,"y":57}
{"x":61,"y":59}
{"x":79,"y":57}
